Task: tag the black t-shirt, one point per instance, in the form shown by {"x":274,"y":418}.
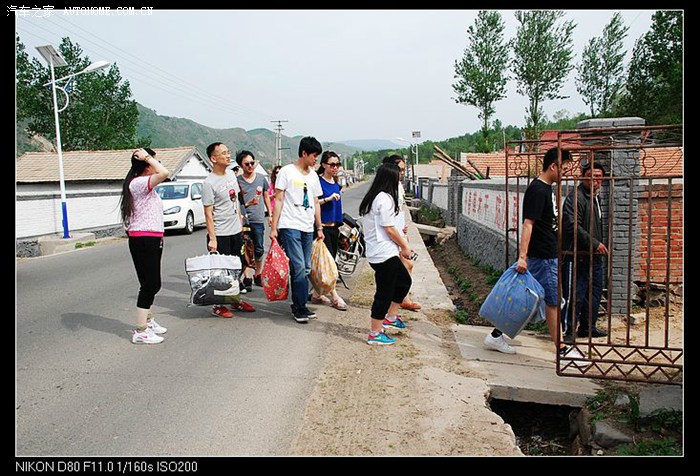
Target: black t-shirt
{"x":539,"y":204}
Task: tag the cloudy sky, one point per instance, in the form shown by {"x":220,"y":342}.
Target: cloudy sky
{"x":337,"y":75}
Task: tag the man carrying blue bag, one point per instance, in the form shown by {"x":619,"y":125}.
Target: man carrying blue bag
{"x":538,"y":248}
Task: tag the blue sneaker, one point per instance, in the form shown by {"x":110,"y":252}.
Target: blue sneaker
{"x":380,"y":339}
{"x":397,"y":324}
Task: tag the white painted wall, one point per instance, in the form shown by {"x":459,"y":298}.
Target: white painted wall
{"x":440,"y":196}
{"x":90,"y":204}
{"x":38,"y":208}
{"x":488,"y":206}
{"x":194,"y":169}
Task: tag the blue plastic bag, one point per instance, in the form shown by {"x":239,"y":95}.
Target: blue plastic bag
{"x":515,"y":300}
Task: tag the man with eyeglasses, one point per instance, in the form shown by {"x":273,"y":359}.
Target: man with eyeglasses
{"x":297,"y":188}
{"x":257,"y":205}
{"x":222,"y":213}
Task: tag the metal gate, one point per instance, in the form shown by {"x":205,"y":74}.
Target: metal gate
{"x":640,"y":209}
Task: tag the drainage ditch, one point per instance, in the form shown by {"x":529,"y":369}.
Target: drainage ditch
{"x":540,"y":429}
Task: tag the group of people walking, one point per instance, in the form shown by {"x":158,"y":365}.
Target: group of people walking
{"x":300,"y":204}
{"x":303,"y":203}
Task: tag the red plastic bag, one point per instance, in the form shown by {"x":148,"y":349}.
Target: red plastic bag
{"x":275,"y":273}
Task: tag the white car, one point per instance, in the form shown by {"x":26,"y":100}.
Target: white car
{"x":182,"y":205}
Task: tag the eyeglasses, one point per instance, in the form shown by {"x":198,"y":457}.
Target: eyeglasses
{"x":333,"y":164}
{"x":246,"y":164}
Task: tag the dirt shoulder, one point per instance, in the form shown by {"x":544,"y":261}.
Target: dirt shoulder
{"x":412,"y":398}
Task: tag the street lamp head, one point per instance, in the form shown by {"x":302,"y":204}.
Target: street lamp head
{"x":97,"y":65}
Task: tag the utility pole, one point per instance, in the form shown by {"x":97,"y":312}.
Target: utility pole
{"x":278,"y":141}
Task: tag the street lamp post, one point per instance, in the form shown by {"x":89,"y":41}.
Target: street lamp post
{"x":414,"y":151}
{"x":54,"y":58}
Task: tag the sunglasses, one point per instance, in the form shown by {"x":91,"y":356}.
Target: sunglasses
{"x":333,"y":164}
{"x":245,"y":164}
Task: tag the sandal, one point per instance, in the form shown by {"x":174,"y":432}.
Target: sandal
{"x":410,"y":305}
{"x":320,"y":300}
{"x":339,"y":304}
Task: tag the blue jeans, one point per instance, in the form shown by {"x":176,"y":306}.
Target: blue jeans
{"x":257,"y":234}
{"x":297,"y":246}
{"x":569,"y":321}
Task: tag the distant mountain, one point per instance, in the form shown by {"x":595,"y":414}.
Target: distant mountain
{"x":166,"y":131}
{"x":370,"y":145}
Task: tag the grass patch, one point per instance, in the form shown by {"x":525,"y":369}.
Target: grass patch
{"x":85,"y":244}
{"x":659,"y":433}
{"x":539,"y":327}
{"x":493,"y":275}
{"x":655,"y":447}
{"x":461,"y":316}
{"x":429,"y":216}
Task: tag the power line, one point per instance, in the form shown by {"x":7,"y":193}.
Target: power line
{"x":192,"y":92}
{"x":168,"y":73}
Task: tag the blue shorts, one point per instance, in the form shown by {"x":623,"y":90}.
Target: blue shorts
{"x":545,"y":272}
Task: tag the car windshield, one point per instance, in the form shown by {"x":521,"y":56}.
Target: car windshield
{"x":172,"y":191}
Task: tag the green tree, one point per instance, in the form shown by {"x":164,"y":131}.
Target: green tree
{"x":100,"y":113}
{"x":481,"y":73}
{"x":542,"y":55}
{"x":654,"y":88}
{"x":600,"y":72}
{"x":589,"y":81}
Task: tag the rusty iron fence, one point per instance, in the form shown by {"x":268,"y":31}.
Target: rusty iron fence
{"x":640,"y":205}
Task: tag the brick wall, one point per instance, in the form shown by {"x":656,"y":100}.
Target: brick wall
{"x":659,"y":234}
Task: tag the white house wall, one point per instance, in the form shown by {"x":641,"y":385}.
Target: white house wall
{"x":38,"y":208}
{"x":193,"y":169}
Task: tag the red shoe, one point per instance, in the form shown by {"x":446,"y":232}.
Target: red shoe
{"x":410,"y":305}
{"x":243,"y":306}
{"x":221,"y":311}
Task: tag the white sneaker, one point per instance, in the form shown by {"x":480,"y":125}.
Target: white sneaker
{"x":155,"y":327}
{"x":499,"y":344}
{"x":572,"y":354}
{"x":146,"y":337}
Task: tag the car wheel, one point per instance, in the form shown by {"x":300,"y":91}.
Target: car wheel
{"x":189,"y":223}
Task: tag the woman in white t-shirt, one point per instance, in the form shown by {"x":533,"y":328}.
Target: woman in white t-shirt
{"x":384,"y":243}
{"x":142,"y":214}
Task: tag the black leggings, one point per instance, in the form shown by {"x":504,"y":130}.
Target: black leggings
{"x":146,"y":252}
{"x":330,"y":238}
{"x":393,"y":283}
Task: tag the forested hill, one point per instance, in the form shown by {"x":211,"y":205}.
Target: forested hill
{"x":165,"y":131}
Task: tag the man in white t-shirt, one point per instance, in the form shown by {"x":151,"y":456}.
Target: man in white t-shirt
{"x":297,"y":189}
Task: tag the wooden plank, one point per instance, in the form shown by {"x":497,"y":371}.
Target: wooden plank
{"x":481,"y":176}
{"x":456,"y":165}
{"x":427,"y":229}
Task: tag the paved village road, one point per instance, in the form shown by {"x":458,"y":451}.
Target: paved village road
{"x":213,"y":387}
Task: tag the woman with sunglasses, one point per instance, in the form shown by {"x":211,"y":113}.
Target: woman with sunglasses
{"x":331,"y":218}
